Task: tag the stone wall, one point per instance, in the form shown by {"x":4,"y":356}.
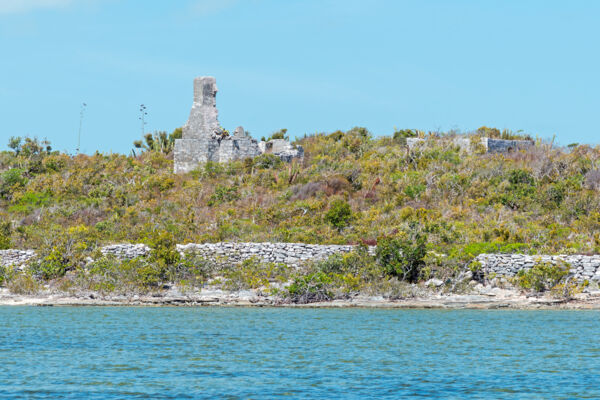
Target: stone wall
{"x":468,"y":144}
{"x":506,"y":146}
{"x":126,"y":251}
{"x":413,"y":142}
{"x":291,"y":254}
{"x":508,"y":265}
{"x":16,"y":258}
{"x":294,"y":254}
{"x":237,"y":148}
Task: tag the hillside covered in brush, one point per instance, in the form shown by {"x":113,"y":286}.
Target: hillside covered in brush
{"x":350,"y":188}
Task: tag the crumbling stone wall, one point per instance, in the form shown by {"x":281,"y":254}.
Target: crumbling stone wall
{"x":295,"y":254}
{"x":126,"y":251}
{"x":16,"y":258}
{"x":506,"y":146}
{"x":291,"y":254}
{"x":508,"y":265}
{"x":468,"y":144}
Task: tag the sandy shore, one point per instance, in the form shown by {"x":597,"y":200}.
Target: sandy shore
{"x":493,"y":299}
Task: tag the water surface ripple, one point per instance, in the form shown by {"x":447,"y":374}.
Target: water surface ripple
{"x":262,"y":353}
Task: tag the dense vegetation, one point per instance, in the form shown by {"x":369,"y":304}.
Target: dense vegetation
{"x":435,"y":204}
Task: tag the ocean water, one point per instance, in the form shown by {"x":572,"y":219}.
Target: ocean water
{"x":263,"y":353}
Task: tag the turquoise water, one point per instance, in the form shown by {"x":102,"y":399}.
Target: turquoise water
{"x":261,"y":353}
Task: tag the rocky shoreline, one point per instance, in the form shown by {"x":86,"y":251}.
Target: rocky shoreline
{"x":489,"y":298}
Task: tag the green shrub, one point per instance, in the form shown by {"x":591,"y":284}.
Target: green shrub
{"x":414,"y":191}
{"x":159,"y":141}
{"x":339,"y":214}
{"x":5,"y":235}
{"x":4,"y":274}
{"x":310,"y":288}
{"x":519,"y":193}
{"x":542,"y":276}
{"x":405,"y":133}
{"x":357,"y":263}
{"x":223,"y":194}
{"x":108,"y":274}
{"x":11,"y":180}
{"x":191,"y":271}
{"x":54,"y":265}
{"x":164,"y":249}
{"x":30,"y":201}
{"x":403,"y":257}
{"x":267,"y":161}
{"x":472,"y":250}
{"x":280,"y":134}
{"x":23,"y":283}
{"x":252,"y":274}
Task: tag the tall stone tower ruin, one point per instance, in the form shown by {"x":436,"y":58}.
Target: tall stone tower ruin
{"x":204,"y":140}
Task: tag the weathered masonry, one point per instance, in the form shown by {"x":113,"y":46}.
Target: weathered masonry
{"x":204,"y":140}
{"x":508,"y":265}
{"x":580,"y":267}
{"x":489,"y":145}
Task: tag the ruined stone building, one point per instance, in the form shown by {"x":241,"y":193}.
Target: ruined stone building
{"x":204,"y":140}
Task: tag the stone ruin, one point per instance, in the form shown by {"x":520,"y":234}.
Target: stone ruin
{"x":204,"y":140}
{"x":489,"y":145}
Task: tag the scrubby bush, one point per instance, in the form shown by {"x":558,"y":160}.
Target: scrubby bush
{"x":310,"y":288}
{"x":404,"y":133}
{"x":159,"y":141}
{"x":280,"y":134}
{"x":223,"y":194}
{"x":403,"y":257}
{"x":267,"y":161}
{"x":23,"y":283}
{"x":339,"y":214}
{"x":542,"y":276}
{"x":51,"y":266}
{"x":5,"y":235}
{"x":163,"y":245}
{"x":11,"y":181}
{"x":253,"y":274}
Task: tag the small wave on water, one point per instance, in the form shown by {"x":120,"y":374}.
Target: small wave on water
{"x":262,"y":353}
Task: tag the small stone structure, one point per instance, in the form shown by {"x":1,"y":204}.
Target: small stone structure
{"x":505,"y":146}
{"x":468,"y":144}
{"x":508,"y":265}
{"x":204,"y":140}
{"x":282,"y":149}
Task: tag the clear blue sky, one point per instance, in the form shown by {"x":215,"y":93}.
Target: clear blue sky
{"x":303,"y":65}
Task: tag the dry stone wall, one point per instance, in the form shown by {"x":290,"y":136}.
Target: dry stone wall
{"x":468,"y":144}
{"x":294,"y":254}
{"x":508,"y":265}
{"x":291,"y":254}
{"x":126,"y":251}
{"x":16,"y":258}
